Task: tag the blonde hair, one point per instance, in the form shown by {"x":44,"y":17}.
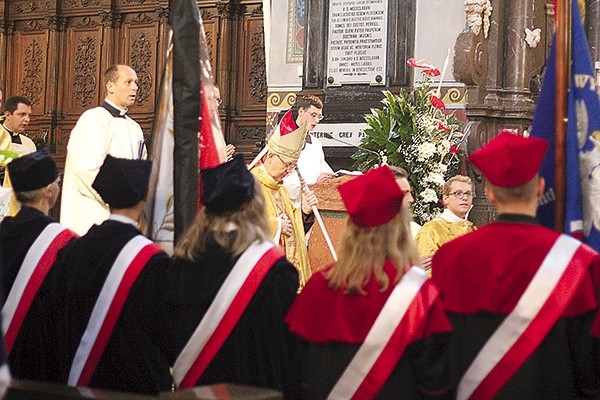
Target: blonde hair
{"x":234,"y":231}
{"x":455,"y":178}
{"x":364,"y":250}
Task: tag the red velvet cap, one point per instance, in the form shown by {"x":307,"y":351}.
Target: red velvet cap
{"x":510,"y":160}
{"x":372,"y":199}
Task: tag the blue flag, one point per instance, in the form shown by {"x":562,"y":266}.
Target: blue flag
{"x":582,"y":217}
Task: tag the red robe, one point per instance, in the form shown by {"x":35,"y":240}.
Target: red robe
{"x":332,"y":325}
{"x":483,"y":274}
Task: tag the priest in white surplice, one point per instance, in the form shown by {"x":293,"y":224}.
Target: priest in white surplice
{"x":99,"y":131}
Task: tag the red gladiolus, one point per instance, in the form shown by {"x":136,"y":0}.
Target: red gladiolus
{"x":442,"y":127}
{"x":437,"y":102}
{"x":428,"y":69}
{"x":431,"y":72}
{"x":411,"y":62}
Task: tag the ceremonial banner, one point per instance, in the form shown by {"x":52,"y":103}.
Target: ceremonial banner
{"x":188,"y":95}
{"x":212,"y":144}
{"x":582,"y":217}
{"x":160,"y":208}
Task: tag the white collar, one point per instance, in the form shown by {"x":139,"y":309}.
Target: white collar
{"x":123,"y":219}
{"x":123,"y":111}
{"x":449,"y":216}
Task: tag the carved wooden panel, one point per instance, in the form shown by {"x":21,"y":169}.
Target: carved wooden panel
{"x":140,"y":31}
{"x":29,"y":9}
{"x":84,"y":7}
{"x":211,"y":29}
{"x":253,"y":64}
{"x":83,"y":75}
{"x":28,"y":65}
{"x":57,"y":50}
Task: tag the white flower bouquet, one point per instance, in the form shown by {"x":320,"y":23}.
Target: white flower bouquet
{"x":412,"y":131}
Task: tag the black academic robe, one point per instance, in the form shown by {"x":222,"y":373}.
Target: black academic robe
{"x":29,"y":358}
{"x":138,"y":354}
{"x":332,"y":325}
{"x":258,"y":350}
{"x":482,"y":276}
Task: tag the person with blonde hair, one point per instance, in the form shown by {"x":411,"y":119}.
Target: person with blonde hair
{"x":371,"y":324}
{"x":236,"y":286}
{"x":457,"y":196}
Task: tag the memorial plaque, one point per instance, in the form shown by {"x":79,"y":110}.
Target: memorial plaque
{"x":357,"y":42}
{"x":343,"y":135}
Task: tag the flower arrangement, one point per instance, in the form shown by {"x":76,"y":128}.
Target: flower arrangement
{"x":412,"y":131}
{"x":6,"y":156}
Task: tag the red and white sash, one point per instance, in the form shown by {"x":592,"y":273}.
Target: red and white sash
{"x":393,"y":330}
{"x":127,"y":266}
{"x":541,"y":305}
{"x":37,"y":262}
{"x":224,"y":312}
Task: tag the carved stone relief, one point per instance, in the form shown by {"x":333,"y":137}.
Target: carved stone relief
{"x":31,"y":85}
{"x":141,"y":58}
{"x":85,"y":86}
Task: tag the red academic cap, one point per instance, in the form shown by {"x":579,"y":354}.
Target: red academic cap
{"x":372,"y":199}
{"x":510,"y":160}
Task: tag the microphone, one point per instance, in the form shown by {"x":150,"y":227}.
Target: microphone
{"x":328,"y":135}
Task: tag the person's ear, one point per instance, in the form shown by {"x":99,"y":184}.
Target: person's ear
{"x":541,"y":185}
{"x":489,"y":194}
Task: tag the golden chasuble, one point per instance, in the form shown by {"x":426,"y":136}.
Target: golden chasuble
{"x":277,"y":201}
{"x":440,"y":230}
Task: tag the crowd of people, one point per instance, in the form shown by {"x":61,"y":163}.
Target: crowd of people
{"x":506,"y":311}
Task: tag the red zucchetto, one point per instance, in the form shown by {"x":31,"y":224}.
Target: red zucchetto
{"x":510,"y":160}
{"x":372,"y":199}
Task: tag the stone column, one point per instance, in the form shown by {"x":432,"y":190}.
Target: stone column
{"x":517,"y":96}
{"x":592,"y":27}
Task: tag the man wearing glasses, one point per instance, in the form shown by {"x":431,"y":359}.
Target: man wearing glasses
{"x":287,"y":222}
{"x":457,"y":195}
{"x":311,"y":163}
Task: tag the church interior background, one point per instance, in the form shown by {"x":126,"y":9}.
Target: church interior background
{"x":265,"y":52}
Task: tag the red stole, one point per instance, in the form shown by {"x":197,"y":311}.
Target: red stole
{"x":224,"y":312}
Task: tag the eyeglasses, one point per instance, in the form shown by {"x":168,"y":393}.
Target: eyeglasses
{"x":318,"y":117}
{"x":459,"y":195}
{"x":288,"y":166}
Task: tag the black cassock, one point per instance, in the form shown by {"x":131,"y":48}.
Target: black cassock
{"x":258,"y":351}
{"x":139,"y":352}
{"x":30,"y":357}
